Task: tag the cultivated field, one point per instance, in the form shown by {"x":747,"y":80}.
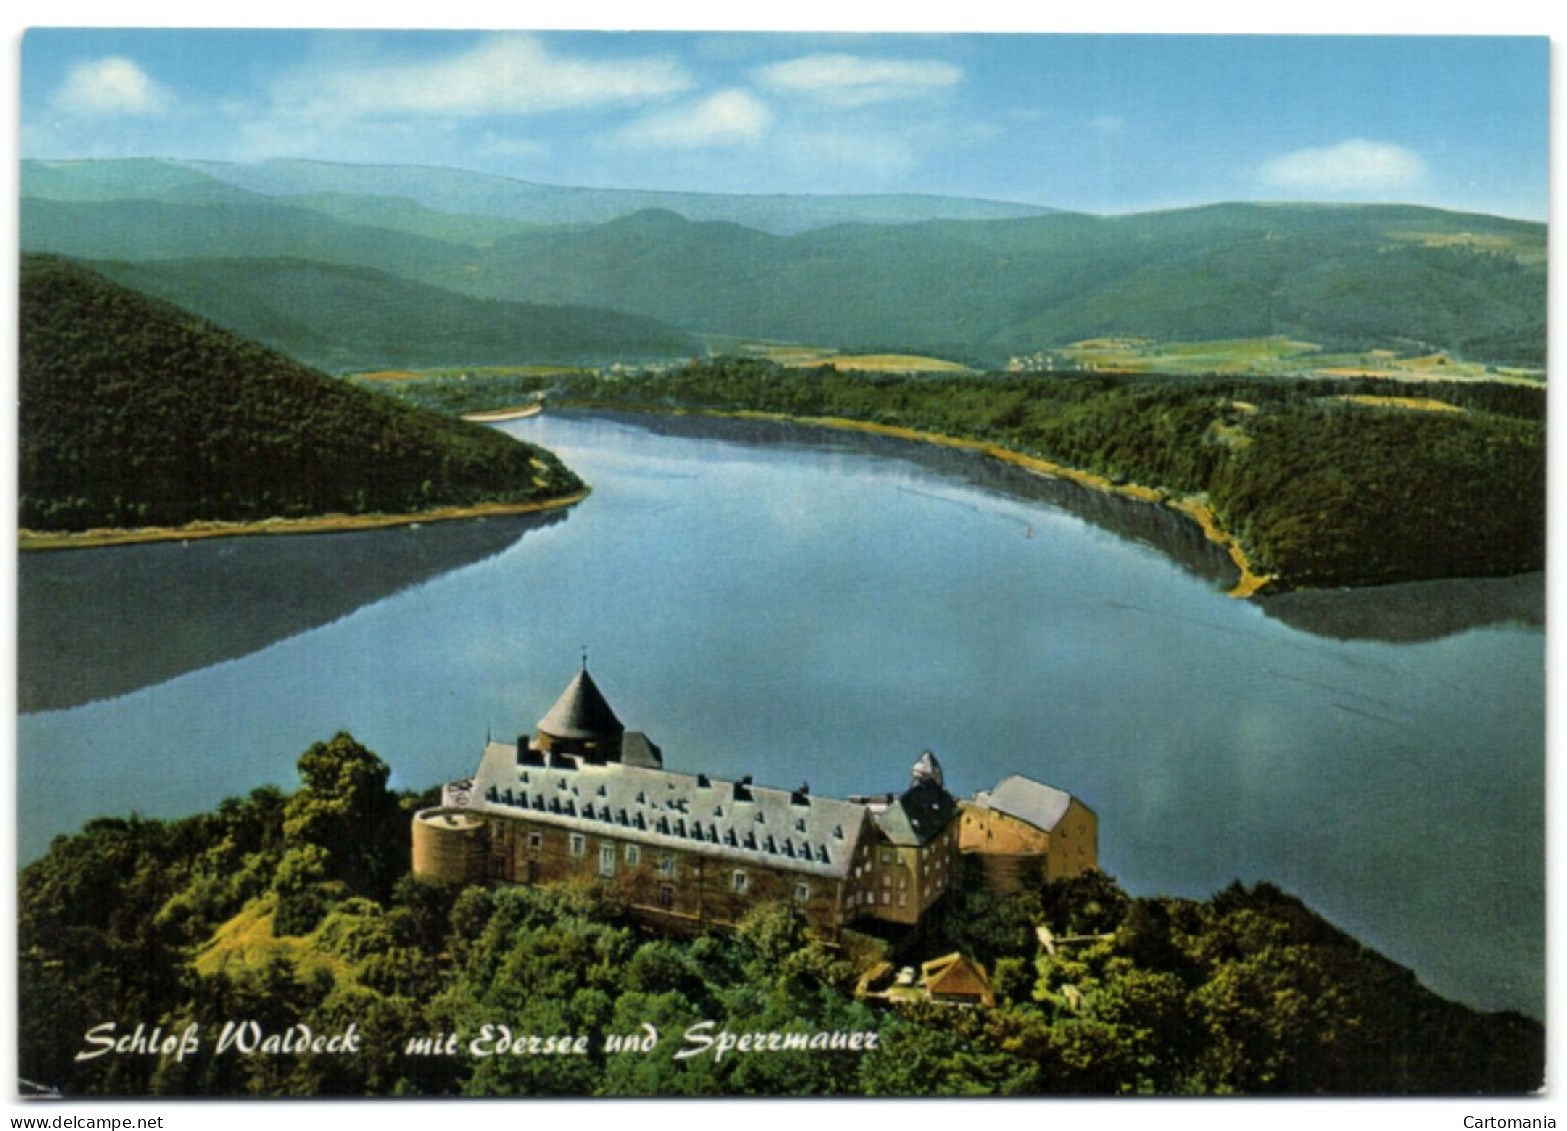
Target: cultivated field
{"x":1273,"y":356}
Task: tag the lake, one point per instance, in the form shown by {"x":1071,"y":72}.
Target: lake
{"x":803,"y":605}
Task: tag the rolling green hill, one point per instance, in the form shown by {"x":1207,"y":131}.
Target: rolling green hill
{"x":1402,"y":278}
{"x":338,"y":318}
{"x":135,"y":413}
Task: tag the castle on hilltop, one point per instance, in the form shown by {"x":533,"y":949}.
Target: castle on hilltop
{"x":587,"y":798}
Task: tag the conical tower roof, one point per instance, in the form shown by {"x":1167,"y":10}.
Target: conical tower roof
{"x":581,"y":712}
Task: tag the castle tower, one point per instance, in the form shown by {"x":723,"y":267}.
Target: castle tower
{"x":581,"y":723}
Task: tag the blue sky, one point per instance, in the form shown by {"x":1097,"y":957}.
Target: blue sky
{"x":1094,"y":123}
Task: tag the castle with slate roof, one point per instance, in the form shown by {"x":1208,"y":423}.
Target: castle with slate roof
{"x":584,"y":797}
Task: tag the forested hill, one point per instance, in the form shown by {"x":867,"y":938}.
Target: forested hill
{"x":300,"y":910}
{"x":338,"y":318}
{"x":135,"y":413}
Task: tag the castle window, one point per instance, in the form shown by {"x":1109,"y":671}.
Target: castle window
{"x":888,"y":856}
{"x":535,"y":840}
{"x":587,"y":811}
{"x":579,"y":844}
{"x":903,"y":899}
{"x":666,"y":896}
{"x":802,"y":893}
{"x":633,"y":855}
{"x":799,"y":826}
{"x":741,"y":881}
{"x":666,"y":865}
{"x":606,"y":859}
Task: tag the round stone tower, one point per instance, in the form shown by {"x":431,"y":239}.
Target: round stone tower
{"x":449,"y":845}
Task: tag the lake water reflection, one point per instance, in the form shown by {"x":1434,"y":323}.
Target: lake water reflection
{"x":801,"y":605}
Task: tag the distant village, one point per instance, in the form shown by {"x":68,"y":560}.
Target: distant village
{"x":584,"y":797}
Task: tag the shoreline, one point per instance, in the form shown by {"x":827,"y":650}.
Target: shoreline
{"x":44,"y":540}
{"x":501,"y":415}
{"x":1248,"y":584}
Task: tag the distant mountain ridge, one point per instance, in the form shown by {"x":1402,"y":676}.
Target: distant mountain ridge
{"x":1409,"y":279}
{"x":504,"y":198}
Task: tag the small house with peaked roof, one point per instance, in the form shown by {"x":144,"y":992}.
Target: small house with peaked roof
{"x":956,"y":980}
{"x":1025,"y":833}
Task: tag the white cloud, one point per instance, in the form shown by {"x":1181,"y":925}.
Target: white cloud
{"x":114,"y":85}
{"x":855,"y":80}
{"x":1355,"y":166}
{"x":1108,"y":125}
{"x":729,"y":117}
{"x":508,"y":74}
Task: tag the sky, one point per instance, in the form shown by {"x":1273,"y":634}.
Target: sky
{"x":1097,"y":123}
